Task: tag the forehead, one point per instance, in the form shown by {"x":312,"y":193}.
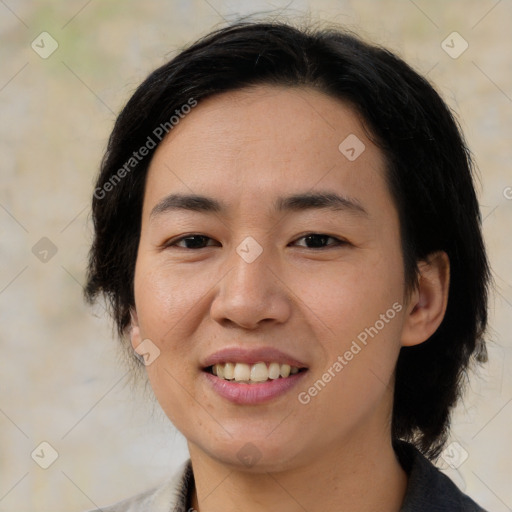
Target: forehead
{"x":254,"y":144}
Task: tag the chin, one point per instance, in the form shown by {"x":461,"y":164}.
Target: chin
{"x":257,"y":454}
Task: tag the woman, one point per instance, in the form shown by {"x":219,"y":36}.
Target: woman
{"x":287,"y":231}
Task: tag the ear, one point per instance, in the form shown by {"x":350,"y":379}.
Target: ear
{"x":428,"y":301}
{"x":135,"y":337}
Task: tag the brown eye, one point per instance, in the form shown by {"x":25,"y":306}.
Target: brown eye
{"x":191,"y":242}
{"x":320,"y":241}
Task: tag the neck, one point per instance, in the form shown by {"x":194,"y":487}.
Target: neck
{"x":360,"y":476}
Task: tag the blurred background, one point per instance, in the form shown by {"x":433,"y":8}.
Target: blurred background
{"x":66,"y":69}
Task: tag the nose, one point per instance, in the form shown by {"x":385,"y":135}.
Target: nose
{"x":251,"y":293}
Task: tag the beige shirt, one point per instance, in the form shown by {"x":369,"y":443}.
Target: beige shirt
{"x":173,"y":496}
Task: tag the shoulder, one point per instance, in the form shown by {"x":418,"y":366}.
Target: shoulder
{"x":428,"y":488}
{"x":171,"y":496}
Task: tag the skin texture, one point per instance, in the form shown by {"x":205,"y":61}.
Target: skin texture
{"x":246,"y":148}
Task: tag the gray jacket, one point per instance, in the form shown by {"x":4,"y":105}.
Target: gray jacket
{"x":428,"y":490}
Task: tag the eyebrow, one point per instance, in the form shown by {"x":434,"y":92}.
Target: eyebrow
{"x":297,"y":202}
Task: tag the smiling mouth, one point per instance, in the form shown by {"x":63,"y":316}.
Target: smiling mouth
{"x":253,"y":373}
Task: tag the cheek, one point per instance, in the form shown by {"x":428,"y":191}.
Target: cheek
{"x":172,"y":390}
{"x":358,"y":318}
{"x":358,"y":324}
{"x":167,"y":300}
{"x":168,"y":304}
{"x":347,"y":298}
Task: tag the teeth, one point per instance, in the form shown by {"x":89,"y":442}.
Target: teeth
{"x":285,"y":370}
{"x":274,"y":371}
{"x":259,"y":372}
{"x":242,"y":372}
{"x":229,"y":371}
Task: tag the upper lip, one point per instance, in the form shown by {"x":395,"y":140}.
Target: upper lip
{"x":251,"y":356}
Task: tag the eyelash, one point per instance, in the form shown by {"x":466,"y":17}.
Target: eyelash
{"x":338,"y":242}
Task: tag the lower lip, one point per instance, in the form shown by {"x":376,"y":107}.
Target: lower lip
{"x":248,"y":394}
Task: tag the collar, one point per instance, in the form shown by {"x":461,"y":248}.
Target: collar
{"x":428,"y":489}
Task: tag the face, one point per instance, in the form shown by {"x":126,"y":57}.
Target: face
{"x":289,"y":256}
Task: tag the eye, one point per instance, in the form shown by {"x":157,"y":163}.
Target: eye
{"x":311,"y":241}
{"x":319,"y":241}
{"x":190,"y":242}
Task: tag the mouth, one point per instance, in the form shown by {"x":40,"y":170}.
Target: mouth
{"x":256,"y":373}
{"x":252,"y":376}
